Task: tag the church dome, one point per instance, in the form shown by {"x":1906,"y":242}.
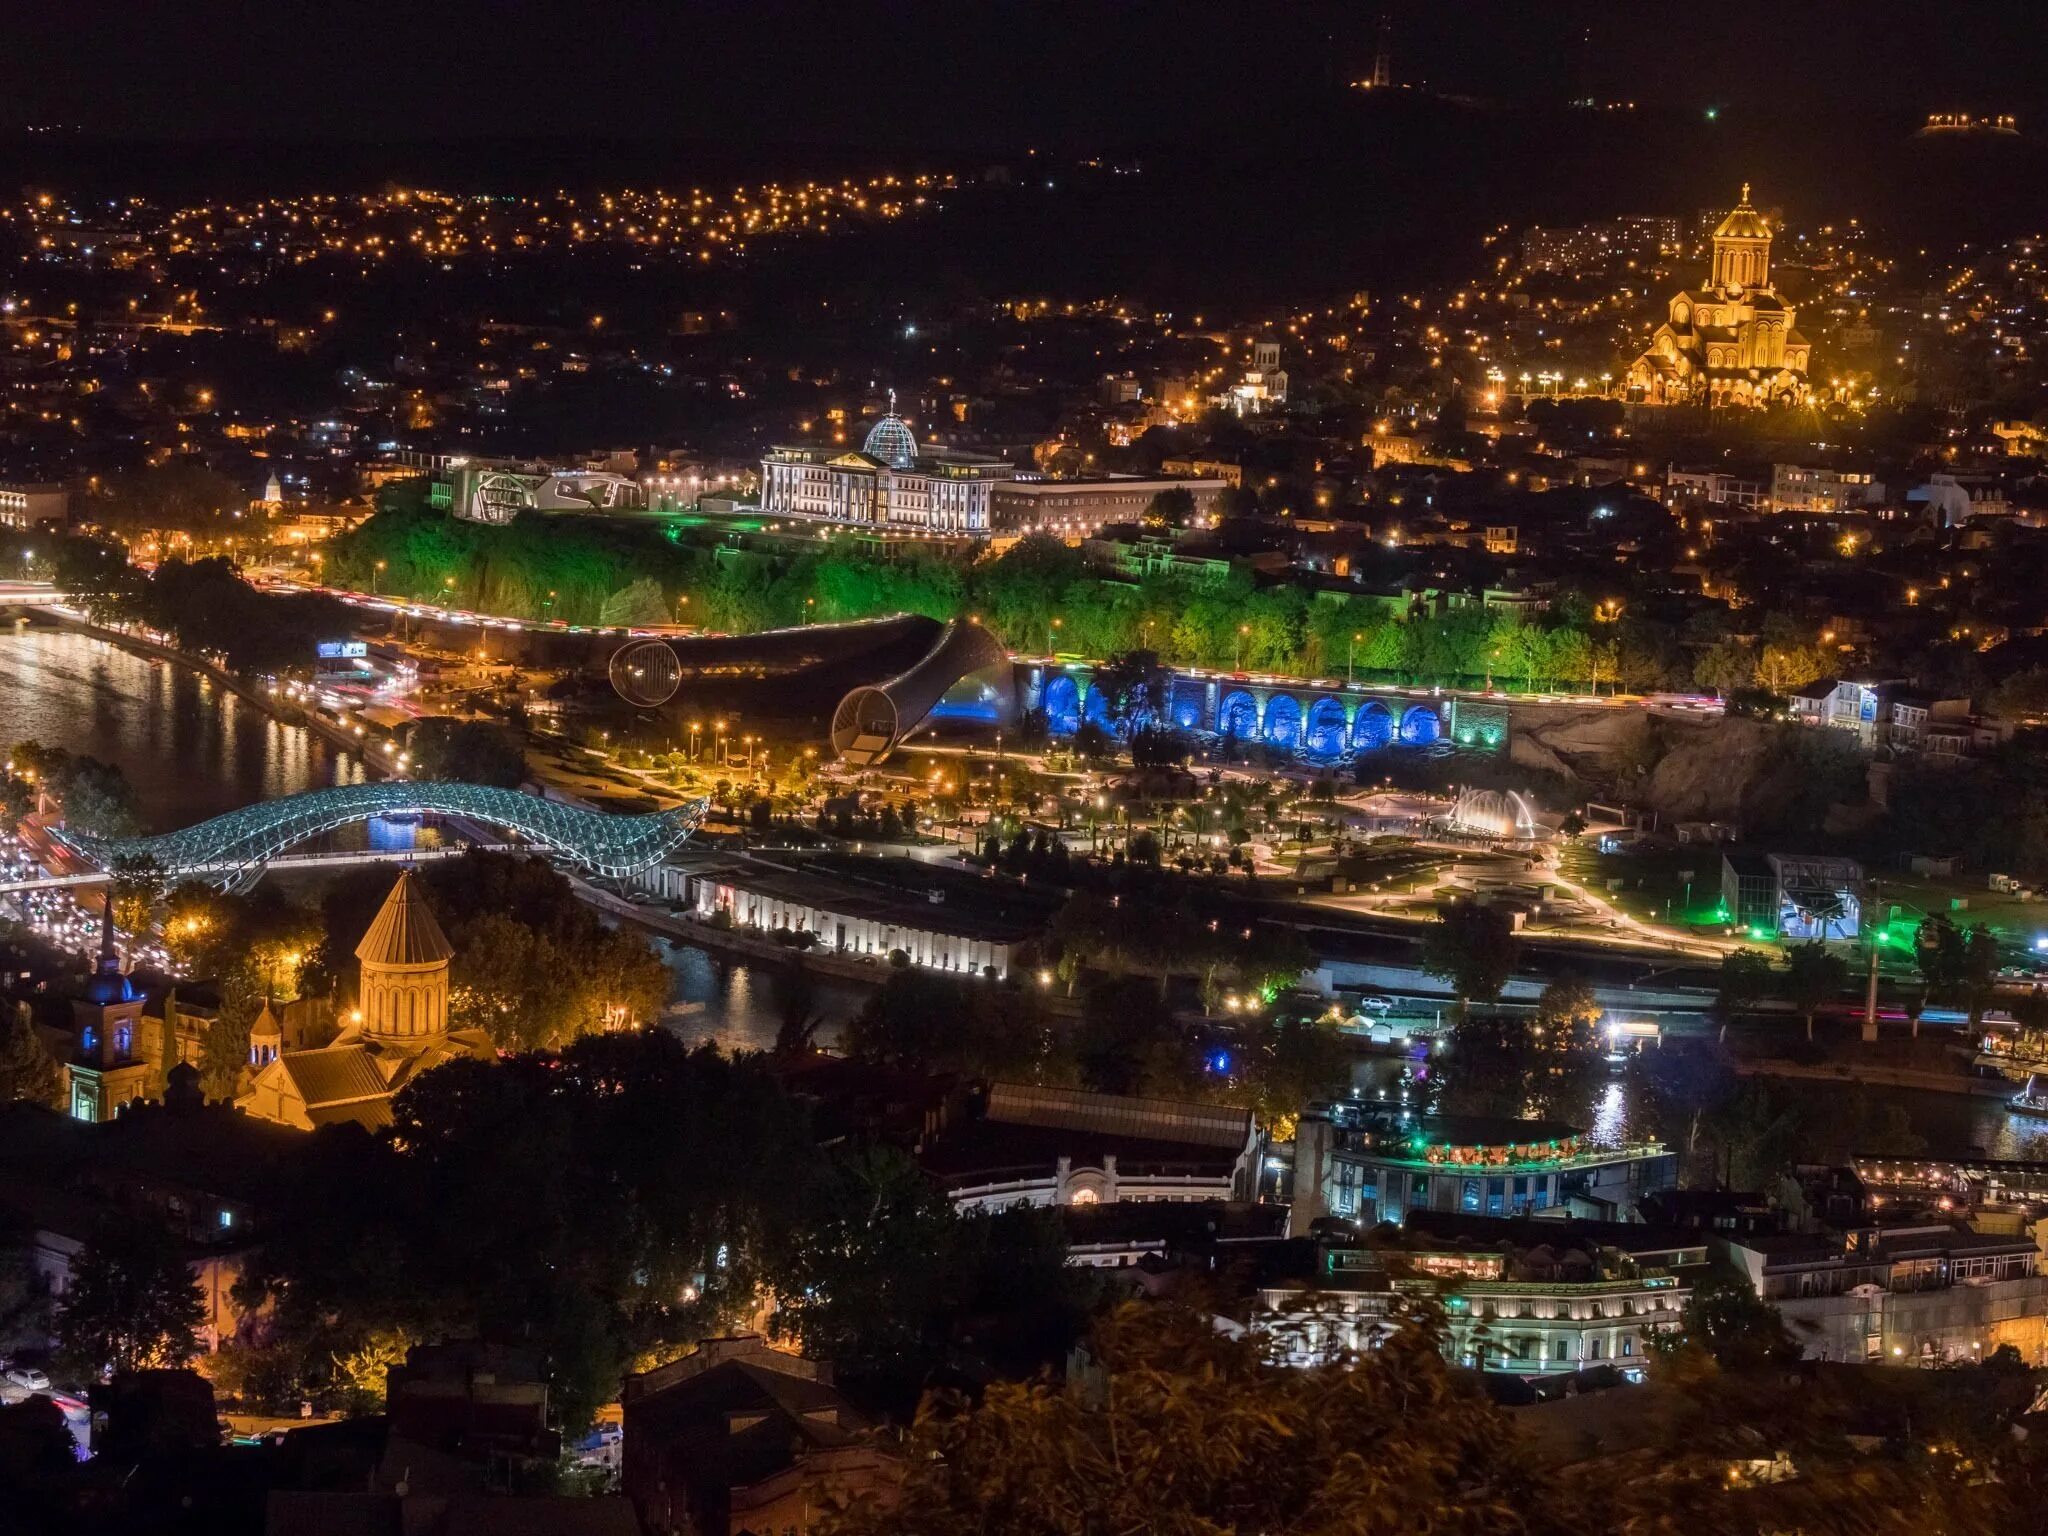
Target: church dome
{"x":404,"y":932}
{"x":890,"y":441}
{"x":1744,"y":223}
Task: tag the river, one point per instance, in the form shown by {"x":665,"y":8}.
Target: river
{"x":192,"y":749}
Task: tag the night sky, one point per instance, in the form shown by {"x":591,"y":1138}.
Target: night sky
{"x":966,"y":74}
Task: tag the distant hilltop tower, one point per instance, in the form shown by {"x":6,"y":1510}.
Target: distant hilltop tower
{"x":1383,"y":56}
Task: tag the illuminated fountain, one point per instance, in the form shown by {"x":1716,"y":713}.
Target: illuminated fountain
{"x":1493,"y":813}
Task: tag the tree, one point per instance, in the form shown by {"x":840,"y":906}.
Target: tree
{"x":1725,"y":1318}
{"x":1782,"y":668}
{"x":27,"y":1069}
{"x":1981,"y":961}
{"x":468,"y":752}
{"x":1813,"y":976}
{"x":1568,"y":1003}
{"x":1184,"y":1429}
{"x":1725,"y":666}
{"x":181,"y":496}
{"x":1093,"y":743}
{"x":137,"y":884}
{"x":1746,"y":980}
{"x":1173,"y":507}
{"x":132,"y":1304}
{"x":1473,"y":948}
{"x":1941,"y":953}
{"x":1127,"y":1041}
{"x":1133,"y":687}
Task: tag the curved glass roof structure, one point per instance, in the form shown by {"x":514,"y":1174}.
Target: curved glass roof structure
{"x":231,"y":845}
{"x":890,"y":441}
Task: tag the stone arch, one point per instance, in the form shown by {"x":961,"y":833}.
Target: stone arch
{"x":1283,"y":721}
{"x":1324,"y":736}
{"x":1372,"y":728}
{"x":1238,"y":715}
{"x":1420,"y":726}
{"x":1095,"y":708}
{"x":1062,"y":705}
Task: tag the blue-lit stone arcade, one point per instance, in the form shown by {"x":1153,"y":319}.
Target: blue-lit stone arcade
{"x":1317,"y":725}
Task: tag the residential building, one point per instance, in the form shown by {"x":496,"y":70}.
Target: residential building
{"x":1155,"y":556}
{"x":1715,"y":488}
{"x":890,"y":485}
{"x":738,"y":1437}
{"x":1074,"y":510}
{"x":1938,"y":727}
{"x":1927,"y":1292}
{"x":1588,"y":248}
{"x":1846,"y":704}
{"x":1953,"y":500}
{"x":199,"y":1172}
{"x":483,"y":1403}
{"x":1026,"y":1145}
{"x":1798,"y":488}
{"x":1369,"y":1164}
{"x":1531,"y":1296}
{"x":1202,"y":469}
{"x":24,"y":505}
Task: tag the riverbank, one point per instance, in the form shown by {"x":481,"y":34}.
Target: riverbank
{"x":1874,"y":1075}
{"x":283,"y":713}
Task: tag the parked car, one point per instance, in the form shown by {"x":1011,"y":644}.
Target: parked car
{"x":27,"y":1377}
{"x":1375,"y":1004}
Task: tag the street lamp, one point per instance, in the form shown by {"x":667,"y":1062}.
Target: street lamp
{"x":1052,"y":625}
{"x":1350,"y":654}
{"x":1243,"y":630}
{"x":376,"y":571}
{"x":695,"y":727}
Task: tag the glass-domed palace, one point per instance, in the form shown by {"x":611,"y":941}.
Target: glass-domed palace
{"x":890,"y":484}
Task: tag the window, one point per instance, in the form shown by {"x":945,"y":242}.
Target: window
{"x":227,"y":1218}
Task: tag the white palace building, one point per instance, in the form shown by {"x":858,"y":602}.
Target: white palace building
{"x":889,"y":485}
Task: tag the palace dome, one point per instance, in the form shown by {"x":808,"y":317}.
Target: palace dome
{"x":890,"y":441}
{"x":1744,"y":222}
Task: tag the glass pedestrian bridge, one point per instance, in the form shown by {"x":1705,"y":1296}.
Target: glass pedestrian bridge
{"x":235,"y":846}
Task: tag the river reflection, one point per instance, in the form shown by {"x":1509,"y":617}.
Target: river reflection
{"x":1615,"y":1110}
{"x":740,"y":1005}
{"x":189,"y":748}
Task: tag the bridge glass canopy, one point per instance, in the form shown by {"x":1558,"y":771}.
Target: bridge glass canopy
{"x":230,"y":845}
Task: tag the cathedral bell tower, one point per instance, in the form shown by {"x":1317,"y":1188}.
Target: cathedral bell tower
{"x":1742,"y":249}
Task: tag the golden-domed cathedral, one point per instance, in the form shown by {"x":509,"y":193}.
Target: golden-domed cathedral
{"x":1732,"y":341}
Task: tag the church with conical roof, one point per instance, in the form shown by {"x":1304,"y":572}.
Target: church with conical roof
{"x":397,"y":1030}
{"x":1730,"y":342}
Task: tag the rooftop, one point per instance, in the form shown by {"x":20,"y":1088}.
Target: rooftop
{"x":404,"y":931}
